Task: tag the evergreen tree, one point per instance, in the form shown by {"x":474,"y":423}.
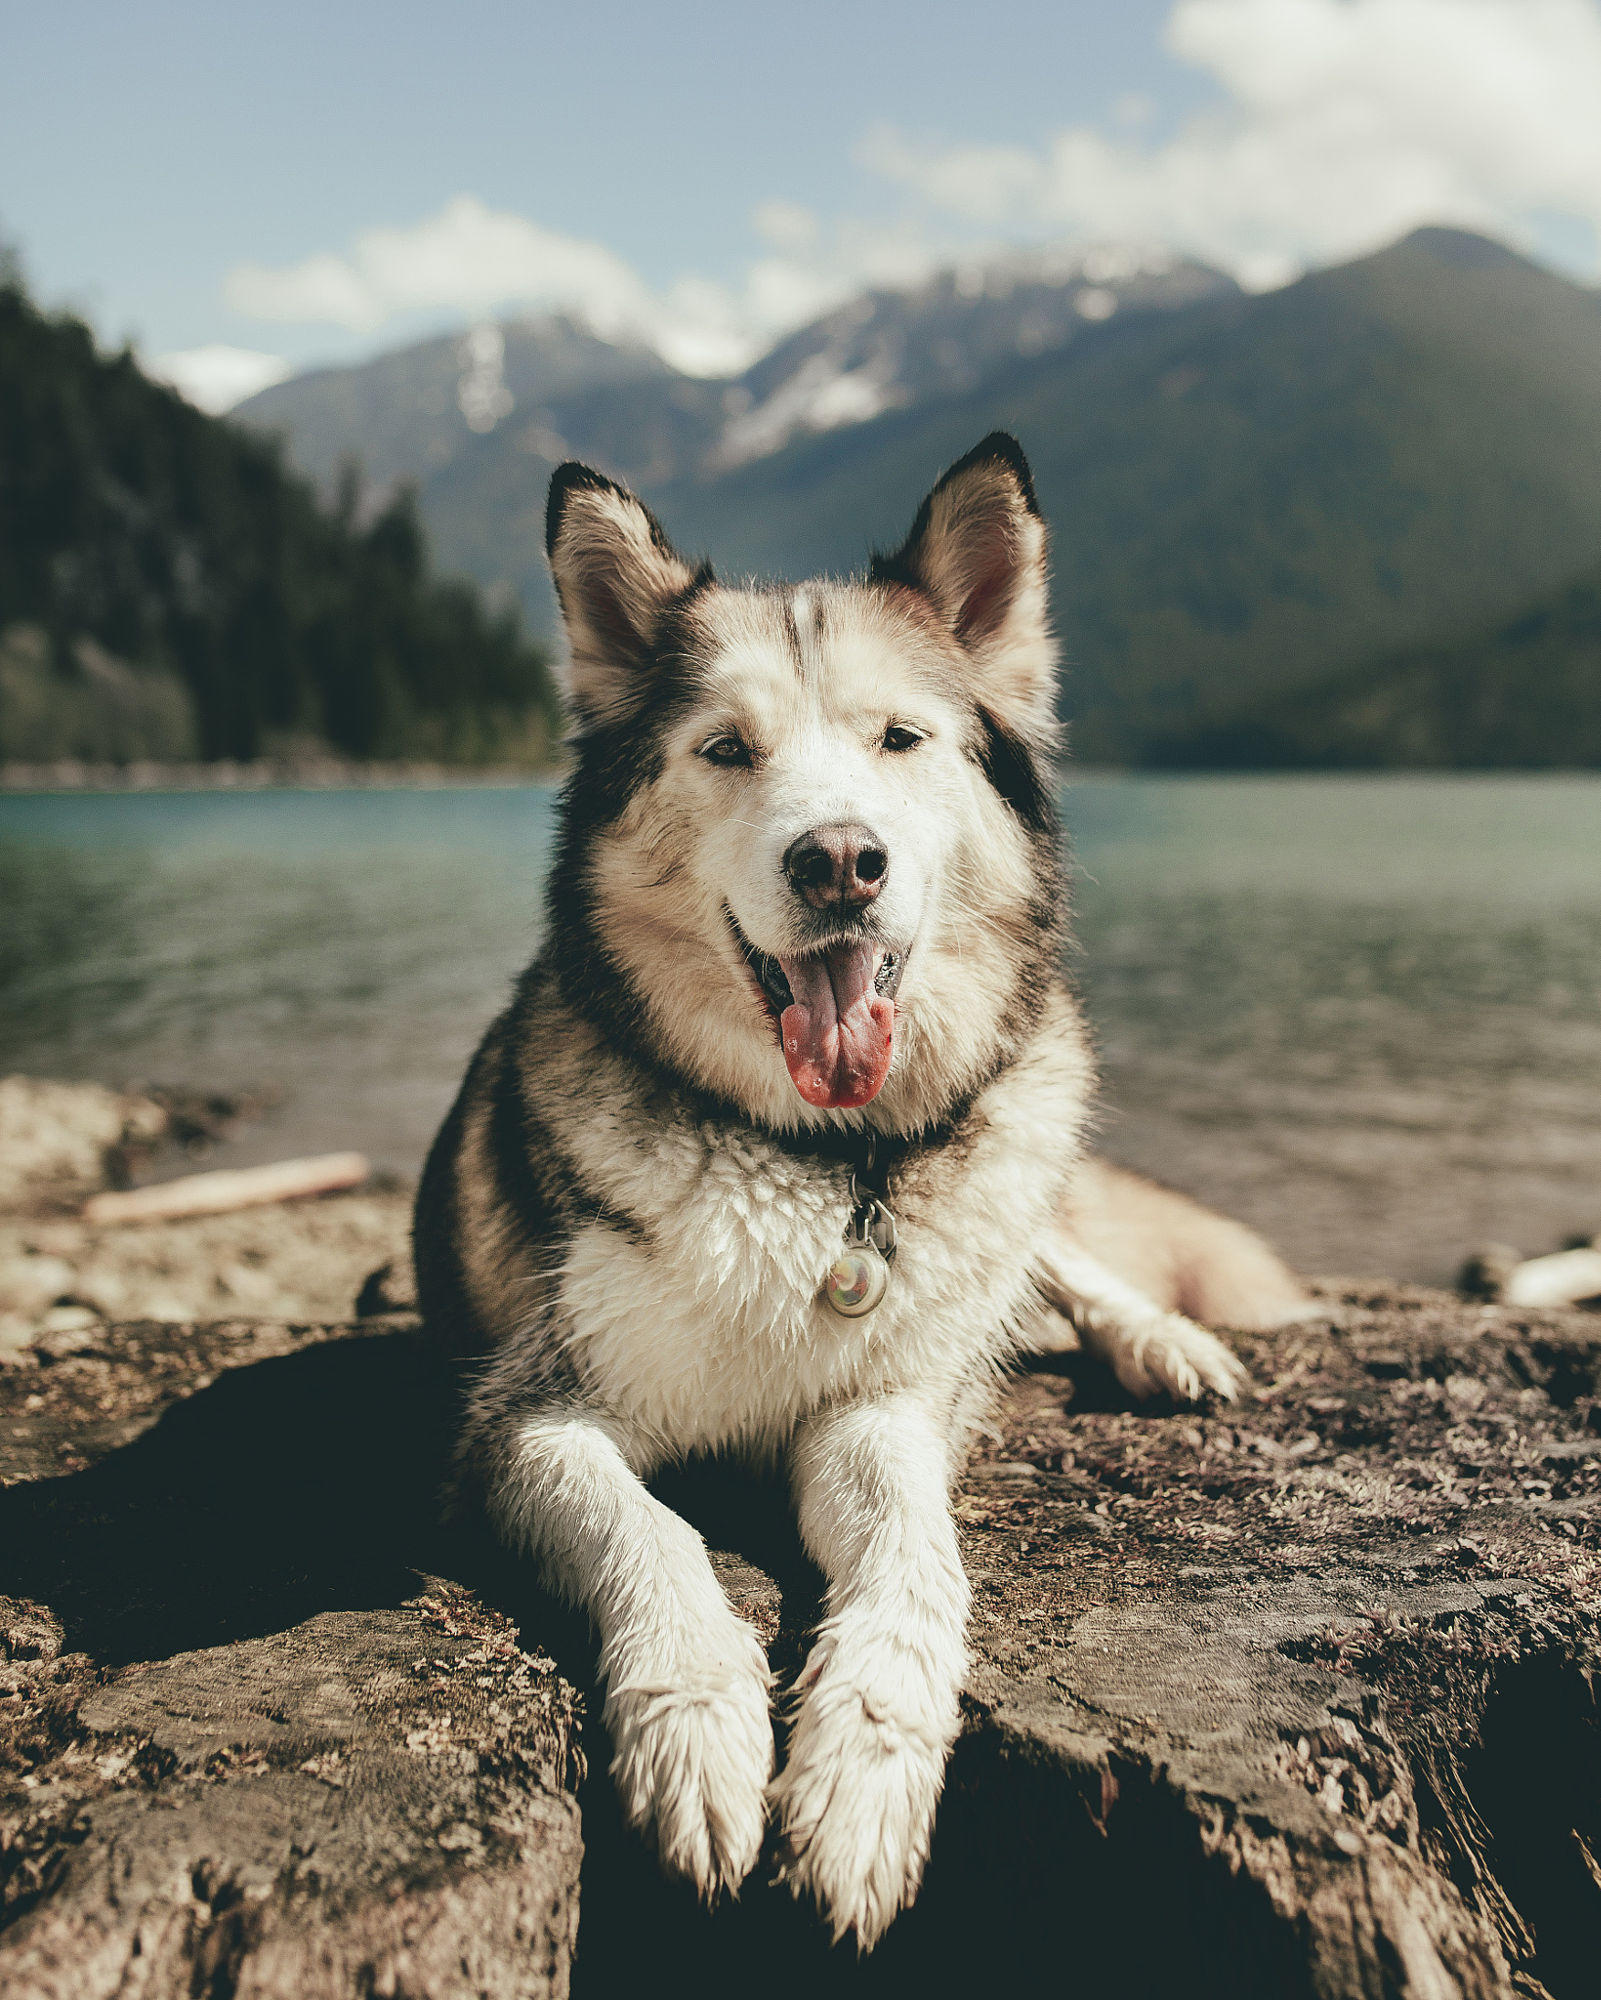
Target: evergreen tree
{"x":170,"y":556}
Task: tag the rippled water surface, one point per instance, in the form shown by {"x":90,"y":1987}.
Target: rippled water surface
{"x":1363,"y":1013}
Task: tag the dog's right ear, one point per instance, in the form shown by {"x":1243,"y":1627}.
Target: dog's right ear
{"x":616,"y":574}
{"x":977,"y":554}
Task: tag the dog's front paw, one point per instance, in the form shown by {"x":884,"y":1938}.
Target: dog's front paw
{"x":1173,"y":1353}
{"x":855,"y":1803}
{"x":691,"y":1763}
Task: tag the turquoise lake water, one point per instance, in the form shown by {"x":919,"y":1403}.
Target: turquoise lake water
{"x":1365,"y":1013}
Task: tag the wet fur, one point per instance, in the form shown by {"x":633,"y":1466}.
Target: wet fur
{"x":624,"y":1225}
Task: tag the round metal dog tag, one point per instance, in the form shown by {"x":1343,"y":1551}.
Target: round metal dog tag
{"x":857,"y":1280}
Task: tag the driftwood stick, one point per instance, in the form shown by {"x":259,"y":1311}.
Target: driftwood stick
{"x":1560,"y":1280}
{"x":230,"y":1188}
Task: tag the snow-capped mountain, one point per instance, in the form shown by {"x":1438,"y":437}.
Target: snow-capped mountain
{"x":888,"y":350}
{"x":559,"y":390}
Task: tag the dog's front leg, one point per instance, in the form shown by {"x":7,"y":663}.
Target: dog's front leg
{"x":878,"y":1696}
{"x":686,"y":1679}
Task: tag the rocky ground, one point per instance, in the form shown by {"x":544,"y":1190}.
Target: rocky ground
{"x":300,"y":1261}
{"x":61,"y":1278}
{"x":1290,"y":1698}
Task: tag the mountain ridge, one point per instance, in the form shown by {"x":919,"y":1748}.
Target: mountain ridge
{"x":480,"y":487}
{"x":1253,"y":493}
{"x":1250,"y":495}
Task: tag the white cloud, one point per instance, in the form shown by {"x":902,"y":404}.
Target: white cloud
{"x":1341,"y":124}
{"x":475,"y":261}
{"x":471,"y":261}
{"x":787,"y":225}
{"x":467,"y":258}
{"x":1347,"y":122}
{"x":216,"y":377}
{"x":812,"y":266}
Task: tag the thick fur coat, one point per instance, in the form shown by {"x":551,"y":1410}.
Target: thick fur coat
{"x":803,"y":967}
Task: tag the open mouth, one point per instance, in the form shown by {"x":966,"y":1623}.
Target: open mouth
{"x":835,"y":1012}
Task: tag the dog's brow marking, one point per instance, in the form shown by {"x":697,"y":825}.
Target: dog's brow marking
{"x":803,"y":617}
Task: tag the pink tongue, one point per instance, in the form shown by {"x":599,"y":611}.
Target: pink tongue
{"x":837,"y":1031}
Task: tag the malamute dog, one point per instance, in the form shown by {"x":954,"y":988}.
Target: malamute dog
{"x":779,"y":1150}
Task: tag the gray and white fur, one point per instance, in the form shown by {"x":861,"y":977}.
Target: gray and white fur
{"x":626,"y":1221}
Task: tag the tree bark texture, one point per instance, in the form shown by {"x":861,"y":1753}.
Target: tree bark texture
{"x":245,"y":1748}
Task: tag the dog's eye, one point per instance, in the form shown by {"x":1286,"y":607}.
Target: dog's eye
{"x":727,"y":749}
{"x":899,"y":736}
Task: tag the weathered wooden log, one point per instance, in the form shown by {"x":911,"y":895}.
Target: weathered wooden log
{"x":1330,"y":1653}
{"x":364,"y":1785}
{"x":1567,"y":1277}
{"x":1289,"y":1699}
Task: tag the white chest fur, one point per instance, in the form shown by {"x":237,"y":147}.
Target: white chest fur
{"x":704,"y":1325}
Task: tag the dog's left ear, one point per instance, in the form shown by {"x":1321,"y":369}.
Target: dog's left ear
{"x":616,"y":575}
{"x":977,"y":552}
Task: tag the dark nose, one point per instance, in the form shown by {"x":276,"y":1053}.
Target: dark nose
{"x":837,"y":867}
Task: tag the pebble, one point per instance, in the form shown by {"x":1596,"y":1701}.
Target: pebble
{"x":28,"y":1284}
{"x":69,"y":1319}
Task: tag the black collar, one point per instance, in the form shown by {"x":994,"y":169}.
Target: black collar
{"x":873,"y":1157}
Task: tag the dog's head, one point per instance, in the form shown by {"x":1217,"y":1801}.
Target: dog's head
{"x":809,"y":830}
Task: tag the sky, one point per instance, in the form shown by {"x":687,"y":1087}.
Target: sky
{"x":248,"y":191}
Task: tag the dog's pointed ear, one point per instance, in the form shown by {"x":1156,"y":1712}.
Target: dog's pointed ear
{"x":616,"y":574}
{"x":977,"y":553}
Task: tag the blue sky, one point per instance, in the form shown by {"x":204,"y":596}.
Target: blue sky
{"x":300,"y":183}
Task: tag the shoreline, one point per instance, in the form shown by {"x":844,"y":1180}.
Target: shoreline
{"x":332,"y":774}
{"x":320,"y":774}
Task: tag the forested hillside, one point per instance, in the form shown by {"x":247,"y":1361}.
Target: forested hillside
{"x":1273,"y":515}
{"x":1523,"y":694}
{"x":169,"y":589}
